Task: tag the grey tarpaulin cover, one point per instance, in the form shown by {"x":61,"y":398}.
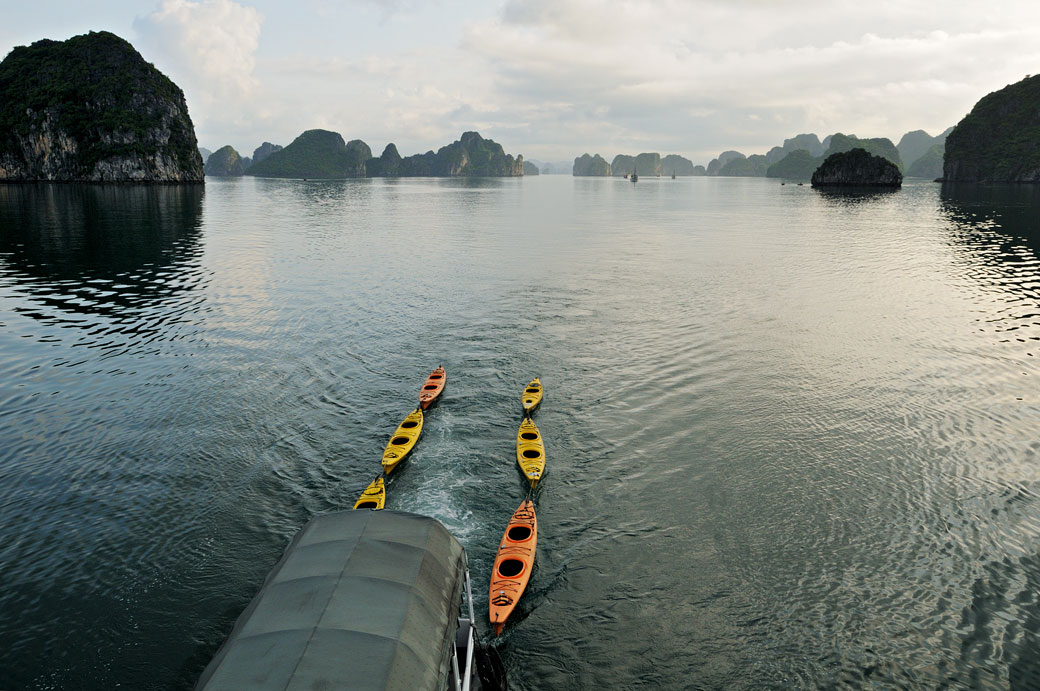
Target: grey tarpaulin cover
{"x":360,"y":600}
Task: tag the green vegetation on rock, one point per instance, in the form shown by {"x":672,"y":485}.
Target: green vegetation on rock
{"x":530,"y":168}
{"x":879,"y":146}
{"x":314,"y":154}
{"x":930,"y":165}
{"x":225,"y":162}
{"x":999,"y":140}
{"x":264,"y":150}
{"x":754,"y":166}
{"x":673,"y":164}
{"x":92,"y":109}
{"x":648,"y":164}
{"x":797,"y":165}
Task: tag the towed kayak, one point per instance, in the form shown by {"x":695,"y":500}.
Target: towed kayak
{"x":374,"y":496}
{"x":432,"y":388}
{"x":513,"y":564}
{"x":532,"y":396}
{"x":403,"y":440}
{"x":530,"y":451}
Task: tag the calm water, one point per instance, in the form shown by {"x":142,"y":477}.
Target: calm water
{"x":792,"y":437}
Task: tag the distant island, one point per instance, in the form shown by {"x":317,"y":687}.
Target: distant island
{"x":997,"y":141}
{"x":324,"y":154}
{"x":91,"y":109}
{"x":650,"y":164}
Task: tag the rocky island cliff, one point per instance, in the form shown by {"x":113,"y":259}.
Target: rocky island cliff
{"x":857,"y":168}
{"x":999,"y":140}
{"x":91,"y":109}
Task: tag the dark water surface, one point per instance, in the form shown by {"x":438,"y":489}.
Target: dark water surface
{"x":792,"y":437}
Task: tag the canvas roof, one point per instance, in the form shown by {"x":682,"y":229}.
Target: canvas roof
{"x":361,"y":600}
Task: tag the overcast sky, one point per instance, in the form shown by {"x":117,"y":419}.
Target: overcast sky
{"x":552,"y":79}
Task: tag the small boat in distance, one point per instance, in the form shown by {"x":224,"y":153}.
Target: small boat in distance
{"x":635,"y":175}
{"x":673,"y":175}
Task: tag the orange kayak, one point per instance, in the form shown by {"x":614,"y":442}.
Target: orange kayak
{"x":432,"y":388}
{"x":513,"y":564}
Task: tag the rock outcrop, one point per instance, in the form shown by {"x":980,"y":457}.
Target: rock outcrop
{"x":470,"y":156}
{"x":930,"y":165}
{"x":879,"y":146}
{"x":674,"y":164}
{"x":915,"y":145}
{"x":999,"y":140}
{"x":358,"y":153}
{"x":314,"y":154}
{"x":530,"y":168}
{"x":648,"y":164}
{"x":590,"y":166}
{"x":264,"y":150}
{"x":754,"y":166}
{"x":716,"y":164}
{"x":387,"y":165}
{"x":205,"y":153}
{"x":797,"y":165}
{"x":800,"y":142}
{"x":90,"y":109}
{"x":225,"y":163}
{"x":857,"y":168}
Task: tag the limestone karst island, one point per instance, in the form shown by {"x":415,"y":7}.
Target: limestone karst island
{"x":92,"y":109}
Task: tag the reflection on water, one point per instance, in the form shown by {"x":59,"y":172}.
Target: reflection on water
{"x":98,"y":248}
{"x":791,"y":434}
{"x":999,"y":225}
{"x":848,"y":196}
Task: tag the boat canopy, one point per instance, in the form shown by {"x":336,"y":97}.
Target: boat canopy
{"x":361,"y":599}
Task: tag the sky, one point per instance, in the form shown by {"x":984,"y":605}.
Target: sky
{"x":552,"y":79}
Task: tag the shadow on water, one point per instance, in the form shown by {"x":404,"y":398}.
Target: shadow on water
{"x":98,"y":249}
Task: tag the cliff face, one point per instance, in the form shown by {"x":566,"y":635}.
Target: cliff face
{"x":857,"y":168}
{"x":91,"y":109}
{"x":590,"y":166}
{"x":999,"y":140}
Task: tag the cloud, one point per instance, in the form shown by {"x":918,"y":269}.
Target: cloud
{"x":207,"y":46}
{"x":757,"y":70}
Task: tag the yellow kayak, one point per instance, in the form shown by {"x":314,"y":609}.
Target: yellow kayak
{"x":403,"y":440}
{"x":374,"y":496}
{"x":532,"y":396}
{"x":530,"y":451}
